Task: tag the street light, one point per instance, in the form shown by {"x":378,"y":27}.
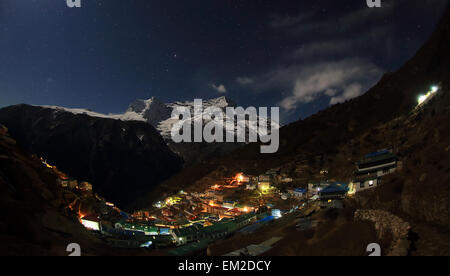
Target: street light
{"x":434,"y":89}
{"x":421,"y":99}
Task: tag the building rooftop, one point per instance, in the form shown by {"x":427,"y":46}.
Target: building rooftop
{"x":91,"y":218}
{"x":377,"y":157}
{"x":337,"y":187}
{"x":187,"y":231}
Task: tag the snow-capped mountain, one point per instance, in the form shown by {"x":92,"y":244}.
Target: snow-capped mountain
{"x":158,"y":114}
{"x":153,"y":111}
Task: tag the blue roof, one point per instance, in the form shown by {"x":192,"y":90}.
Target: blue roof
{"x":124,"y":215}
{"x":335,"y":188}
{"x":300,"y":190}
{"x":380,"y":152}
{"x":340,"y":184}
{"x":266,"y":219}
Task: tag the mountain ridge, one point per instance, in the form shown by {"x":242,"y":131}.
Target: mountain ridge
{"x":158,"y":114}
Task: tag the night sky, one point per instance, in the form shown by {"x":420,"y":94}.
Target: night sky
{"x":300,"y":55}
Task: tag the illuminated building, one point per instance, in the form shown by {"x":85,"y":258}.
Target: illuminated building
{"x":287,"y":180}
{"x":86,"y":186}
{"x":264,"y":187}
{"x":250,"y":187}
{"x":229,"y":204}
{"x":146,"y":244}
{"x":91,"y":223}
{"x":159,"y":204}
{"x":324,"y":172}
{"x":265,"y":178}
{"x":215,"y":210}
{"x":336,"y":190}
{"x":423,"y":98}
{"x":173,"y":200}
{"x":297,"y":193}
{"x":351,"y":189}
{"x":241,"y":178}
{"x":276,"y":213}
{"x":137,"y":228}
{"x":372,"y":168}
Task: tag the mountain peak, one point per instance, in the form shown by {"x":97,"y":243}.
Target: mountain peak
{"x":140,"y":105}
{"x":152,"y":110}
{"x":220,"y":102}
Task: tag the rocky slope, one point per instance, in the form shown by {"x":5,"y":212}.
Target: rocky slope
{"x":33,"y":221}
{"x":122,"y":159}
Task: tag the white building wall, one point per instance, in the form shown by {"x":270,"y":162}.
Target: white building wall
{"x":368,"y":184}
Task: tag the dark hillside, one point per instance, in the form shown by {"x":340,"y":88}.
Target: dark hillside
{"x":121,"y":159}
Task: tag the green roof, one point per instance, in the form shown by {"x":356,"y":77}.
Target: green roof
{"x":224,"y":226}
{"x":218,"y":227}
{"x":181,"y":221}
{"x":140,"y":227}
{"x":187,"y":231}
{"x":244,"y":217}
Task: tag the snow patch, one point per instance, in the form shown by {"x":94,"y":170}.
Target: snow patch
{"x":158,"y":114}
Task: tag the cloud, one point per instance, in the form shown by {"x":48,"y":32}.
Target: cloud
{"x":337,"y":52}
{"x":280,"y":21}
{"x":244,"y":80}
{"x":340,"y":80}
{"x":312,"y":22}
{"x":326,"y":66}
{"x":219,"y":88}
{"x":350,"y":76}
{"x":331,"y":92}
{"x":352,"y":91}
{"x":322,"y":48}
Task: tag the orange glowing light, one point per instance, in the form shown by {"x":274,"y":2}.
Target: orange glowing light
{"x":239,"y":178}
{"x":47,"y":164}
{"x":80,"y":216}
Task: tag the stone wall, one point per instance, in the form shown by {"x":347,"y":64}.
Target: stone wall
{"x":388,"y":224}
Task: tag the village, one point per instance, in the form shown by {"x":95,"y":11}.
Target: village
{"x":187,"y":222}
